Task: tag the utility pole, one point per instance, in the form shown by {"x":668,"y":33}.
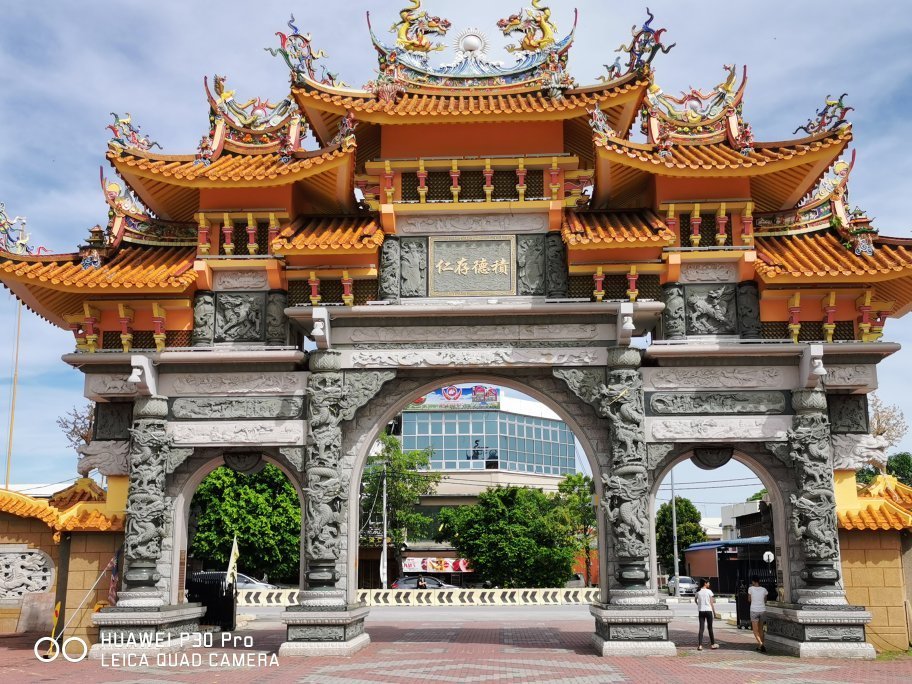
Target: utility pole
{"x":383,"y":560}
{"x":12,"y":415}
{"x":674,"y":533}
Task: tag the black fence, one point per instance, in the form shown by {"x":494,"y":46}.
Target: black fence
{"x":742,"y":606}
{"x":217,"y":596}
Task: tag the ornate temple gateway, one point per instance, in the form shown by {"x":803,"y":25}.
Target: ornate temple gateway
{"x":672,"y":287}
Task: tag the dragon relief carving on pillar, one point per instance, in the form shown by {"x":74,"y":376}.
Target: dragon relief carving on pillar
{"x":146,"y":501}
{"x":389,"y":269}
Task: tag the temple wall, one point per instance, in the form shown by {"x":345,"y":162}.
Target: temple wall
{"x":872,"y":566}
{"x":90,"y":553}
{"x":16,"y":532}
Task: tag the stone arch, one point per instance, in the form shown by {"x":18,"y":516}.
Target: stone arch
{"x":772,"y":473}
{"x":361,"y":433}
{"x":182,"y":484}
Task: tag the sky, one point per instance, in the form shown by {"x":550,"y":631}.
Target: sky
{"x":65,"y":66}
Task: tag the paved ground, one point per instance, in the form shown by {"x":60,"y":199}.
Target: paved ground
{"x":472,"y":645}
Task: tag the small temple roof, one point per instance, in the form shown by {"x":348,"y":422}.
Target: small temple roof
{"x":79,"y":517}
{"x":324,"y":234}
{"x":598,"y":229}
{"x":884,"y":504}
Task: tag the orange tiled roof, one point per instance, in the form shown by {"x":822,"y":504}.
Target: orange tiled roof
{"x":615,"y":229}
{"x":27,"y":507}
{"x":718,"y":156}
{"x":823,"y":254}
{"x":877,"y":515}
{"x":77,"y":518}
{"x":889,"y":488}
{"x":308,"y":234}
{"x":131,"y":268}
{"x":83,"y":490}
{"x":228,"y":168}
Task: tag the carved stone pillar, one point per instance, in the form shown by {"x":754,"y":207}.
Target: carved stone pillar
{"x":556,"y":267}
{"x":389,"y":270}
{"x":530,"y":258}
{"x":819,"y":623}
{"x":673,"y":316}
{"x":749,"y":310}
{"x":276,"y":320}
{"x":203,"y":319}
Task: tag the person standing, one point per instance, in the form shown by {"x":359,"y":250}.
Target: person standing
{"x":756,"y":597}
{"x":706,"y":607}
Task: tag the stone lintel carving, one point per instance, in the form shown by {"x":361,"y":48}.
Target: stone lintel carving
{"x":496,"y":332}
{"x":851,"y":376}
{"x":749,"y":310}
{"x":413,"y":262}
{"x":203,"y":319}
{"x":24,"y":571}
{"x":260,"y":432}
{"x":771,"y":428}
{"x":722,"y":403}
{"x":359,"y":388}
{"x":295,"y":456}
{"x":461,"y":224}
{"x":388,"y":279}
{"x":848,"y":413}
{"x":711,"y":272}
{"x":176,"y":457}
{"x":245,"y":462}
{"x":109,"y":457}
{"x":530,"y":257}
{"x":656,"y":453}
{"x":673,"y":319}
{"x":583,"y":382}
{"x":113,"y":420}
{"x":556,"y":266}
{"x":232,"y":384}
{"x":728,"y":377}
{"x":853,"y":452}
{"x":711,"y":310}
{"x":474,"y":358}
{"x":103,"y":386}
{"x":239,"y":317}
{"x":240,"y":280}
{"x":212,"y":408}
{"x":710,"y":458}
{"x":276,"y":320}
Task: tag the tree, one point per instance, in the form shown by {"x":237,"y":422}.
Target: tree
{"x":898,"y":465}
{"x":575,"y":494}
{"x":262,"y":509}
{"x":689,"y":530}
{"x":77,"y":425}
{"x":407,"y":479}
{"x":757,"y":496}
{"x":887,"y":421}
{"x":513,"y":537}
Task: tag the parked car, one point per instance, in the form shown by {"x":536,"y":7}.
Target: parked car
{"x":243,"y":581}
{"x":412,"y":583}
{"x":688,"y":586}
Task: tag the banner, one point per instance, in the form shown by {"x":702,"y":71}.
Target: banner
{"x":459,"y":398}
{"x":435,"y":565}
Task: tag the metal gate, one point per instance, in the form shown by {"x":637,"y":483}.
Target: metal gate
{"x":217,"y":596}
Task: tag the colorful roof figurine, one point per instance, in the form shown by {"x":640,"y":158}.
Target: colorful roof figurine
{"x":13,"y":237}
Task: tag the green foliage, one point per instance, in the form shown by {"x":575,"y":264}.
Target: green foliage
{"x":513,"y":537}
{"x":689,"y":531}
{"x":406,"y":480}
{"x":898,"y":465}
{"x":758,"y":495}
{"x":575,"y":494}
{"x":262,"y":509}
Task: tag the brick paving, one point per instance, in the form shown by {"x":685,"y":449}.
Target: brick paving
{"x":466,"y":651}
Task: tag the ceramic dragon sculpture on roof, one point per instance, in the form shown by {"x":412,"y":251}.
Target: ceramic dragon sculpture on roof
{"x":414,"y":27}
{"x":256,"y":113}
{"x":13,"y":237}
{"x":534,"y":24}
{"x":829,"y":117}
{"x":643,"y":48}
{"x":298,"y":53}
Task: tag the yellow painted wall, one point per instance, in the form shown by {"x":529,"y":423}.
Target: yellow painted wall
{"x":90,"y":553}
{"x":872,"y":569}
{"x":36,"y":535}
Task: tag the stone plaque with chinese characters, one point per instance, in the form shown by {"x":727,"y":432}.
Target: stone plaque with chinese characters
{"x":472,"y":266}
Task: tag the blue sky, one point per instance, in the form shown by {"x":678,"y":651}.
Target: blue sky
{"x":64,"y":66}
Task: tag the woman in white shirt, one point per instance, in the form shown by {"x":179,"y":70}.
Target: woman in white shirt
{"x":706,"y":606}
{"x":756,"y":597}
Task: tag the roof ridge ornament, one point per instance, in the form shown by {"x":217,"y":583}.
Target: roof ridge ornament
{"x":643,"y":48}
{"x":414,"y":27}
{"x":131,"y":221}
{"x":13,"y":237}
{"x":299,"y":55}
{"x":830,"y":117}
{"x":534,"y":25}
{"x":127,"y":136}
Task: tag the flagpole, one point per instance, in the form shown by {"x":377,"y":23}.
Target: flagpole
{"x":12,"y":419}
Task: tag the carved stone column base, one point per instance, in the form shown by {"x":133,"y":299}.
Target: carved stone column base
{"x":637,"y":631}
{"x":125,"y":630}
{"x":817,"y":631}
{"x":822,"y":597}
{"x":321,"y":627}
{"x":140,"y":599}
{"x":632,"y":597}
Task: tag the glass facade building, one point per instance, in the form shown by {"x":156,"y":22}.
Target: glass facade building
{"x":491,"y":439}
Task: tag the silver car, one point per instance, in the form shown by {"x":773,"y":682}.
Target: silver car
{"x":688,"y":586}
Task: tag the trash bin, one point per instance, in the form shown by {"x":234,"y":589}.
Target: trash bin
{"x":742,"y":607}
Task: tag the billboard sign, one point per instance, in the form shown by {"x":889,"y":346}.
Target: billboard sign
{"x":435,"y":565}
{"x":459,"y":398}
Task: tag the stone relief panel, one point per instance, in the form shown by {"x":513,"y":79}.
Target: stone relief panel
{"x":262,"y":433}
{"x":145,"y":502}
{"x":730,"y":377}
{"x":113,"y":420}
{"x":475,"y":333}
{"x":673,"y":319}
{"x":749,"y":310}
{"x":24,"y":572}
{"x":472,"y":225}
{"x":276,"y":408}
{"x":853,"y":452}
{"x":851,"y":376}
{"x":724,"y":403}
{"x":413,"y":267}
{"x":388,"y":280}
{"x":106,"y":385}
{"x":107,"y":456}
{"x":240,"y":280}
{"x":711,"y":310}
{"x":556,"y":265}
{"x":771,"y":428}
{"x":848,"y":413}
{"x":473,"y":358}
{"x":472,"y":267}
{"x":530,"y":257}
{"x":709,"y":273}
{"x":276,"y":321}
{"x":239,"y":317}
{"x":232,"y":384}
{"x":203,"y":319}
